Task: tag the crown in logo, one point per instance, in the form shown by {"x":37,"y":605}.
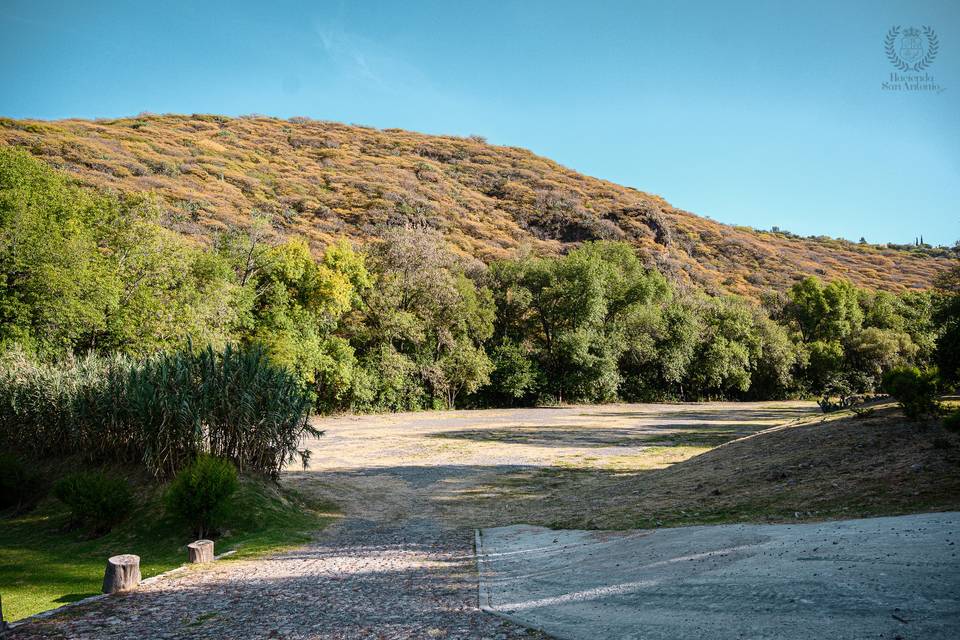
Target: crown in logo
{"x":911,"y":32}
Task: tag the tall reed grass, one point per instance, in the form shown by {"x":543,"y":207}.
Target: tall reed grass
{"x":160,"y":412}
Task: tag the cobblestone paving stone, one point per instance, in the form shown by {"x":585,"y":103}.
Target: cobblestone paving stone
{"x":359,"y":580}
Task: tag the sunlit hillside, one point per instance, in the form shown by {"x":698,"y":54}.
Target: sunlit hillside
{"x":325,"y":179}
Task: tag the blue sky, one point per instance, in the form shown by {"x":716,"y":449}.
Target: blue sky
{"x":759,"y":113}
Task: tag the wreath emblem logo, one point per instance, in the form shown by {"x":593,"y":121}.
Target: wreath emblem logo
{"x":917,"y":47}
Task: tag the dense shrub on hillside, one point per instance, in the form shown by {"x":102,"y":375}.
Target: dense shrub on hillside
{"x":97,"y":501}
{"x":199,"y":494}
{"x":160,"y":412}
{"x":915,"y":390}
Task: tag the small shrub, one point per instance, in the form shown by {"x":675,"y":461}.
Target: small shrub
{"x":863,"y":412}
{"x":200,"y":493}
{"x":952,"y":422}
{"x":915,"y":390}
{"x":827,"y":405}
{"x":97,"y":501}
{"x":20,"y":488}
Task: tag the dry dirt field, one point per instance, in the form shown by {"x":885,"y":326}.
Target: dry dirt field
{"x":633,"y":466}
{"x":493,"y":467}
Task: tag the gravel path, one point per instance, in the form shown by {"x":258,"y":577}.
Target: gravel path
{"x":361,"y":579}
{"x":401,"y":563}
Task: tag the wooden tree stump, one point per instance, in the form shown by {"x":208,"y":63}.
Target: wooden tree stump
{"x":122,"y":574}
{"x":201,"y":551}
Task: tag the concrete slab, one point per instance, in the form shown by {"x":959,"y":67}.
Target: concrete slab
{"x":896,"y":577}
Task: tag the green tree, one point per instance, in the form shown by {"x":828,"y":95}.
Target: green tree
{"x":514,"y":375}
{"x":874,"y":351}
{"x":836,"y":355}
{"x":423,"y":323}
{"x":915,"y":390}
{"x":56,"y":286}
{"x":171,"y":291}
{"x":84,"y":271}
{"x":948,"y":318}
{"x":722,"y":362}
{"x":463,"y":368}
{"x":574,"y":313}
{"x":830,"y":312}
{"x":773,"y":359}
{"x":298,"y":304}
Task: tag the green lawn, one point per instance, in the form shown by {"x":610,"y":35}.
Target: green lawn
{"x":43,"y":566}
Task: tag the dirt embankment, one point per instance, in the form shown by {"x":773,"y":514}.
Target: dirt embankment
{"x":822,"y":468}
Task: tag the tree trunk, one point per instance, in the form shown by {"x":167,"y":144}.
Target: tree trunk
{"x":201,"y":551}
{"x":122,"y":574}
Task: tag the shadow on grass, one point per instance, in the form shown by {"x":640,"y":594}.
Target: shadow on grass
{"x":43,"y":565}
{"x":74,"y":597}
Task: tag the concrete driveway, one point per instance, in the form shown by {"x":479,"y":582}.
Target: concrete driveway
{"x":896,"y":577}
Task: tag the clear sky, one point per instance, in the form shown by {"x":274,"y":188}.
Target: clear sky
{"x":760,"y":113}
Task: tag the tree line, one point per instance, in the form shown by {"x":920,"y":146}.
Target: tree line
{"x":408,"y":323}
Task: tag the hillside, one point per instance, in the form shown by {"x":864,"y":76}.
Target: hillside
{"x":324,"y":180}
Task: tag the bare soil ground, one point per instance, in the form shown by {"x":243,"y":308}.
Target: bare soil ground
{"x":632,"y":466}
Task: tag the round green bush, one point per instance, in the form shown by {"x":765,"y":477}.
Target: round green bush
{"x":20,"y":487}
{"x":97,"y":501}
{"x":952,"y":422}
{"x":200,"y":493}
{"x":916,"y":390}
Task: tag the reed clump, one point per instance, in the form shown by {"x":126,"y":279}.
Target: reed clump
{"x":159,"y":412}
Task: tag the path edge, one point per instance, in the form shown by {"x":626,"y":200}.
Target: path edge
{"x":483,"y":594}
{"x":49,"y":613}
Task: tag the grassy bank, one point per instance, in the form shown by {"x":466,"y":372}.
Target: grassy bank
{"x":43,"y":565}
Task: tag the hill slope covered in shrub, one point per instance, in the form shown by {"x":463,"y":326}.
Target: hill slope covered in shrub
{"x":325,"y":180}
